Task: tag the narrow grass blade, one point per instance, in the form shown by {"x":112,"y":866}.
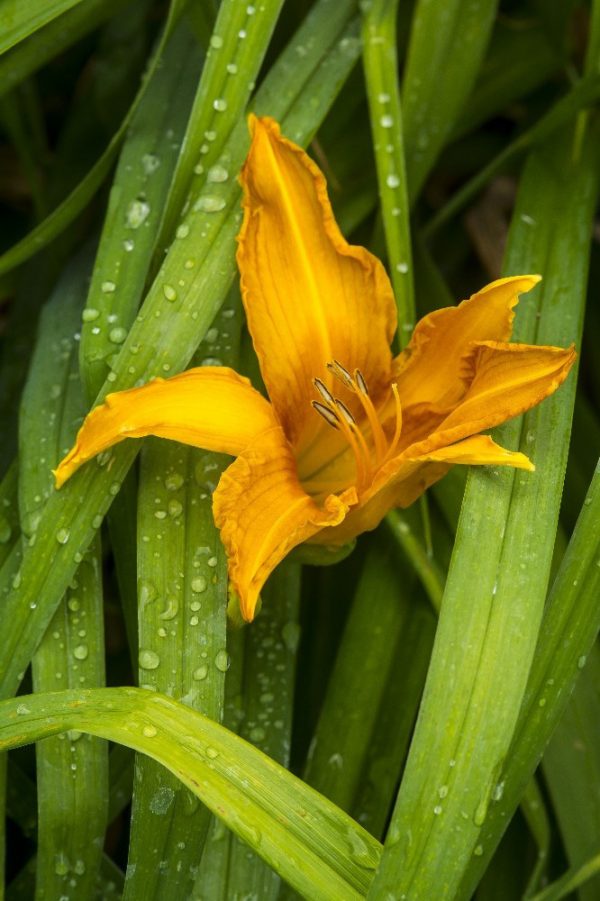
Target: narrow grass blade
{"x":519,"y":60}
{"x":9,"y":511}
{"x":574,"y":878}
{"x":569,"y":630}
{"x":71,"y":771}
{"x":503,"y":551}
{"x":364,"y":661}
{"x":447,"y":43}
{"x":78,"y":199}
{"x":19,"y":20}
{"x":46,"y":43}
{"x":387,"y":750}
{"x":182,"y":596}
{"x":426,"y":568}
{"x":269,"y":670}
{"x":533,"y":807}
{"x":380,"y":60}
{"x":571,"y":766}
{"x":139,"y":192}
{"x":312,"y":844}
{"x":236,"y":50}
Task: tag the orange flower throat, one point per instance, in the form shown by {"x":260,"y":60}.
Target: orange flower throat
{"x":336,"y":414}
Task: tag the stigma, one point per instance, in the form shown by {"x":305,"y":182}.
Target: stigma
{"x":362,"y":429}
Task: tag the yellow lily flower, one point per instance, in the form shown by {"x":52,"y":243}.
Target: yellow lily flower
{"x":349,"y":431}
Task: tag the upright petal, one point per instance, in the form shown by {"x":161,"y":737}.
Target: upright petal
{"x":263,"y":512}
{"x":310,"y":297}
{"x":210,"y":407}
{"x":432,"y":369}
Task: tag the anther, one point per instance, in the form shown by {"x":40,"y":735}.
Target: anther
{"x":328,"y":415}
{"x":359,"y":380}
{"x":324,"y":391}
{"x":341,"y":406}
{"x":336,"y":369}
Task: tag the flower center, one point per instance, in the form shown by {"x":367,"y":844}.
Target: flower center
{"x":374,"y":449}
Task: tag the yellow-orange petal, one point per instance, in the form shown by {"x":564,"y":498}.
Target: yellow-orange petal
{"x":310,"y":297}
{"x":508,"y":380}
{"x":210,"y":407}
{"x":432,"y":369}
{"x":263,"y":512}
{"x":401,"y":481}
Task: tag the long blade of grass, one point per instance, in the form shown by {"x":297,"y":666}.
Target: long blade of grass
{"x":571,"y":767}
{"x":455,"y":771}
{"x":46,"y":43}
{"x":447,"y":43}
{"x":182,"y":600}
{"x":52,"y":226}
{"x":312,"y":844}
{"x":266,"y":707}
{"x":19,"y":20}
{"x":380,"y":60}
{"x":341,"y":741}
{"x":71,"y":773}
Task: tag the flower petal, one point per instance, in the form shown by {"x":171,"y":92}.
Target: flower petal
{"x":431,"y":369}
{"x":309,"y":296}
{"x":508,"y":380}
{"x":210,"y":407}
{"x":406,"y":477}
{"x":263,"y":512}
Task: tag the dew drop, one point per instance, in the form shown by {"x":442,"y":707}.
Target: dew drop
{"x":200,"y":673}
{"x":128,"y":245}
{"x":90,"y":314}
{"x":62,"y":536}
{"x":108,"y":287}
{"x":117,"y":335}
{"x":386,"y":121}
{"x":217,"y":174}
{"x":216,"y":42}
{"x":232,"y":68}
{"x":392,"y":181}
{"x":212,"y":561}
{"x":170,"y":292}
{"x":162,"y":800}
{"x":137,"y":213}
{"x":81,"y":652}
{"x":257,"y":734}
{"x":222,"y":661}
{"x":149,"y":731}
{"x":148,"y":659}
{"x":199,"y":584}
{"x":175,"y":508}
{"x":209,"y":204}
{"x":150,"y":163}
{"x":212,"y":753}
{"x":183,"y":231}
{"x":220,"y":104}
{"x":174,"y":481}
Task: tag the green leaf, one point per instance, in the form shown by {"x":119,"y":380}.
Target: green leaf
{"x":19,"y":19}
{"x":447,"y":43}
{"x":312,"y":844}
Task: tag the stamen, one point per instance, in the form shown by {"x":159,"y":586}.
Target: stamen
{"x":360,"y":381}
{"x":398,"y":430}
{"x":336,"y":369}
{"x":345,"y":411}
{"x":328,"y":415}
{"x":324,"y":391}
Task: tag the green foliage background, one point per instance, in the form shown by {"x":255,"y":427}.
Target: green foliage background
{"x":420,"y":720}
